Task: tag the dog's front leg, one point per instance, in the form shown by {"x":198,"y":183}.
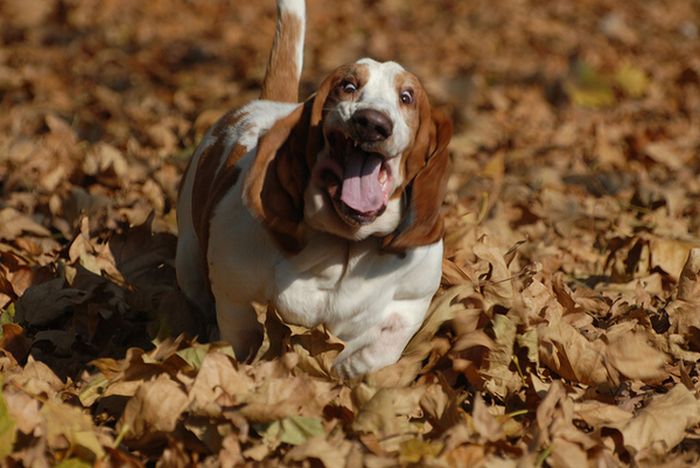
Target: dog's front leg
{"x":238,"y":325}
{"x":382,"y":344}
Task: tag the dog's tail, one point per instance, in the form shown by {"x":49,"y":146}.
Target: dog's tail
{"x":281,"y":82}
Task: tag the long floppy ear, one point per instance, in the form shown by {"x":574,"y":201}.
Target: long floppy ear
{"x":274,"y":187}
{"x":426,"y":172}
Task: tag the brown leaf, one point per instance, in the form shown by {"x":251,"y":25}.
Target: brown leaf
{"x":37,"y":379}
{"x":330,"y":454}
{"x":64,"y":422}
{"x":564,"y":350}
{"x":277,"y":398}
{"x":217,"y":376}
{"x":388,"y":411}
{"x":484,"y":422}
{"x":500,"y":379}
{"x":156,"y":407}
{"x":671,"y":254}
{"x":15,"y":341}
{"x":596,"y":413}
{"x":24,"y":410}
{"x":13,"y":224}
{"x":661,"y":424}
{"x":689,"y":282}
{"x":624,"y":355}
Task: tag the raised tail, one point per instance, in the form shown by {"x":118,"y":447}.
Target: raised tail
{"x":281,"y":82}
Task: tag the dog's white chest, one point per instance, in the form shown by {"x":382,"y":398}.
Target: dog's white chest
{"x":339,"y":285}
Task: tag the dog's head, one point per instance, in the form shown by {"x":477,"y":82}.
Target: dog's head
{"x":365,"y":156}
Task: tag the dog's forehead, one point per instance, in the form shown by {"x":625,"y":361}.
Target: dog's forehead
{"x":381,"y":71}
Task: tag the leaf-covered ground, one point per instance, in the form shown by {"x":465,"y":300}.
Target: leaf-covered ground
{"x":567,"y":328}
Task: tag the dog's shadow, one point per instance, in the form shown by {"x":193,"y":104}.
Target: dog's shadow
{"x":101,"y":299}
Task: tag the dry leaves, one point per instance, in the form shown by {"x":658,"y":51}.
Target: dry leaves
{"x":567,"y":328}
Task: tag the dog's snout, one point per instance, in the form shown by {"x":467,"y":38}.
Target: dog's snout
{"x":372,"y":125}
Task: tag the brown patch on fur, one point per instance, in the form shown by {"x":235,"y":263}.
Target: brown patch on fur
{"x":215,"y":174}
{"x":275,"y":184}
{"x":281,"y":82}
{"x":353,"y":72}
{"x":425,"y":175}
{"x":225,"y":179}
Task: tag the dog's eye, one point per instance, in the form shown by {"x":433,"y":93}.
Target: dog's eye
{"x":348,"y":87}
{"x":406,"y":96}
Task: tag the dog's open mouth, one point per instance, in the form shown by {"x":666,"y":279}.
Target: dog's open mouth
{"x":358,"y":182}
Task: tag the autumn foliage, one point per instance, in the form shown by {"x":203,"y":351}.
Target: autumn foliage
{"x":567,"y":328}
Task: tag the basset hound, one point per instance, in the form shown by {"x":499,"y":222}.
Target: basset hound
{"x":328,"y":209}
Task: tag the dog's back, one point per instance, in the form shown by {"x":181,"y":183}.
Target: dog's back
{"x":238,"y":131}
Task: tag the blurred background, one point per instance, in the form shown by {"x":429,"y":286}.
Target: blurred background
{"x":595,"y":81}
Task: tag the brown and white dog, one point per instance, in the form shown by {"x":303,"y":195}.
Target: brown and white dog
{"x":329,"y":209}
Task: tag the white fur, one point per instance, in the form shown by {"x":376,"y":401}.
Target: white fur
{"x":379,"y":93}
{"x":298,"y":9}
{"x":373,"y":301}
{"x":254,"y":119}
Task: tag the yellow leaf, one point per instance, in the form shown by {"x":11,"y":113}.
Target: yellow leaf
{"x":92,"y":390}
{"x":295,"y":430}
{"x":414,"y":450}
{"x":631,"y":80}
{"x":8,"y":429}
{"x":589,"y":88}
{"x":194,"y":355}
{"x":592,"y":96}
{"x":88,"y":440}
{"x":73,"y":463}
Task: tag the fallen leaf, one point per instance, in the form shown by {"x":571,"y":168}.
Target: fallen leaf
{"x":664,"y":419}
{"x":217,"y":375}
{"x":564,"y":350}
{"x":331,"y":454}
{"x":8,"y":429}
{"x":294,"y":430}
{"x":417,"y":450}
{"x":47,"y":301}
{"x":388,"y":411}
{"x":631,"y":80}
{"x":24,"y":410}
{"x":624,"y":352}
{"x":485,"y":423}
{"x":66,"y":422}
{"x":13,"y":224}
{"x":156,"y":407}
{"x":596,"y":413}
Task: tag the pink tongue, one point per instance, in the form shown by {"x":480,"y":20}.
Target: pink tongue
{"x":361,"y":188}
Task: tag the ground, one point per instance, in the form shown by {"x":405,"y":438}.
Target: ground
{"x":566,"y":331}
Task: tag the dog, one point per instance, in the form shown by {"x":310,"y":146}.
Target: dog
{"x":328,"y":209}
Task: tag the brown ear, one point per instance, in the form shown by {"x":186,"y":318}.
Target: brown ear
{"x":426,"y":172}
{"x":274,"y":186}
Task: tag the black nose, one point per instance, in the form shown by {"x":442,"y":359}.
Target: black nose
{"x":372,"y":125}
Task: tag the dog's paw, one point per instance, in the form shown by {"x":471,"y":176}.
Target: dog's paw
{"x":351,"y":367}
{"x":363,"y":361}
